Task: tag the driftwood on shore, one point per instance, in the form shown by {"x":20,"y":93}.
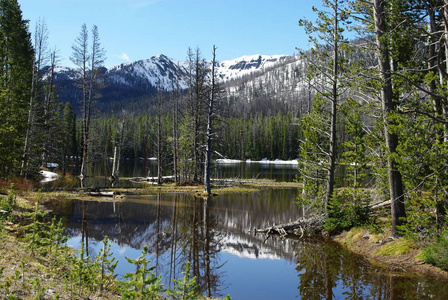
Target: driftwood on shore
{"x":313,"y":224}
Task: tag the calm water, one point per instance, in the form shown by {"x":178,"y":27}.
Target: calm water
{"x":215,"y":236}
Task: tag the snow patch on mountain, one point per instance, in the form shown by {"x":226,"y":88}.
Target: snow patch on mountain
{"x":245,"y":65}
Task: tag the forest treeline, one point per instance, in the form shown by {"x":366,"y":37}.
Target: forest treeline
{"x":272,"y":137}
{"x":370,"y":94}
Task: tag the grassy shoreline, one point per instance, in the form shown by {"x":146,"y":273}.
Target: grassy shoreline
{"x":20,"y":269}
{"x":393,"y":254}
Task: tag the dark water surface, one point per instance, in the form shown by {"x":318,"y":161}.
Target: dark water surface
{"x":214,"y":235}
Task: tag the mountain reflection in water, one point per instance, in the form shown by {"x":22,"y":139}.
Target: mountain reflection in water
{"x":214,"y":235}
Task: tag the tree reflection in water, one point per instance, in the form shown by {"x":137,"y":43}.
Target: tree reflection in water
{"x":328,"y":271}
{"x":178,"y":228}
{"x":175,"y":231}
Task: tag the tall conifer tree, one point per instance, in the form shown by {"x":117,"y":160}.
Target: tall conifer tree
{"x":16,"y":65}
{"x":325,"y":71}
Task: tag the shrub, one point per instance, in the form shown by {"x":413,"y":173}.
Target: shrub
{"x":8,"y":204}
{"x":437,"y":254}
{"x":347,"y":208}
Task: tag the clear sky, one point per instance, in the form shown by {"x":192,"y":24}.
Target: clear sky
{"x":132,"y":30}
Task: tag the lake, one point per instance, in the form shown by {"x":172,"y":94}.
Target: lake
{"x":215,"y":235}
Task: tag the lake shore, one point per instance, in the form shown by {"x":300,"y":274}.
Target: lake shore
{"x":358,"y":240}
{"x":394,"y":254}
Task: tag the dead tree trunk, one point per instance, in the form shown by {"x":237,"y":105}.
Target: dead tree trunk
{"x":208,"y":149}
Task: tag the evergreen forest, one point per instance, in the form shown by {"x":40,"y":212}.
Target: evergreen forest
{"x":371,"y":95}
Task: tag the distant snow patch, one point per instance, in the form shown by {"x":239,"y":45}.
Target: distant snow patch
{"x":48,"y":176}
{"x":263,"y":161}
{"x":228,"y":161}
{"x":274,"y":162}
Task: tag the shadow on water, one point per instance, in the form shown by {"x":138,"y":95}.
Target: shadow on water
{"x":214,"y":235}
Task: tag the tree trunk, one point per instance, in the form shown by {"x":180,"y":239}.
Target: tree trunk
{"x":159,"y":139}
{"x":114,"y":164}
{"x":29,"y":127}
{"x":432,"y":62}
{"x":208,"y":150}
{"x":175,"y":132}
{"x":398,"y":212}
{"x":334,"y":102}
{"x":444,"y":107}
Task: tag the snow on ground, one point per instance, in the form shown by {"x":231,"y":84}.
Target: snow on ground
{"x":228,"y":161}
{"x":245,"y":65}
{"x":263,"y":161}
{"x":274,"y":162}
{"x":48,"y":176}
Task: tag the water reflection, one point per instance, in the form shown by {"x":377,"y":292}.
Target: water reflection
{"x":328,"y":271}
{"x":214,"y":235}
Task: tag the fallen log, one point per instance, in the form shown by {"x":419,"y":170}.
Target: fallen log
{"x":313,"y":224}
{"x":378,"y":205}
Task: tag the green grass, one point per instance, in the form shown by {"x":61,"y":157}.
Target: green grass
{"x":397,"y":247}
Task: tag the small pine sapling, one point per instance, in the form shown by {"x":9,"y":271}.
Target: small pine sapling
{"x":143,"y":283}
{"x":56,"y":236}
{"x":185,"y":288}
{"x":108,"y":264}
{"x":35,"y":235}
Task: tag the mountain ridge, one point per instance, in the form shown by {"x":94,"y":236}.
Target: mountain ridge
{"x":226,"y":70}
{"x":131,"y":82}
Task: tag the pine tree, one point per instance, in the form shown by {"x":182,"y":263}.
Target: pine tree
{"x":34,"y":134}
{"x":16,"y":66}
{"x":389,"y":106}
{"x":195,"y":112}
{"x":325,"y":72}
{"x":69,"y":135}
{"x":185,"y":288}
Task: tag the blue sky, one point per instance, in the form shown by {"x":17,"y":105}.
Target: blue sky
{"x":132,"y":30}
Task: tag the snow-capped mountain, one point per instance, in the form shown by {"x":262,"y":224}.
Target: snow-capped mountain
{"x":132,"y":82}
{"x":158,"y":72}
